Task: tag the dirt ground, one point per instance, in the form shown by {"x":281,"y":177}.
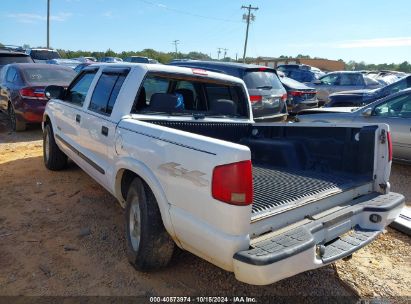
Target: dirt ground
{"x":62,"y":234}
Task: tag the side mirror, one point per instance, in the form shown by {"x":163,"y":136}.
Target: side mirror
{"x":54,"y":92}
{"x":317,"y":81}
{"x":367,"y":112}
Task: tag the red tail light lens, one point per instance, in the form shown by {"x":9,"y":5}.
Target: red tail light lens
{"x":32,"y":93}
{"x":284,"y":97}
{"x":296,"y":93}
{"x":389,"y":141}
{"x":233,"y":183}
{"x":255,"y":98}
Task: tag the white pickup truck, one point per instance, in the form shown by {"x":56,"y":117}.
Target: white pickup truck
{"x":179,"y":150}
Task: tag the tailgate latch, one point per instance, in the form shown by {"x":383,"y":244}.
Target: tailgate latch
{"x":383,"y":136}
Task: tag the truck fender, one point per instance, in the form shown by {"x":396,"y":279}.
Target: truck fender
{"x":143,"y":172}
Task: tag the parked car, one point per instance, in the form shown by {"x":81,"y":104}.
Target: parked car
{"x":22,"y":90}
{"x":341,"y":81}
{"x":265,"y":201}
{"x":300,"y":72}
{"x":85,"y":59}
{"x":71,"y":63}
{"x":8,"y":56}
{"x":394,"y":110}
{"x":110,"y":59}
{"x":358,"y":98}
{"x":299,"y":96}
{"x":81,"y":66}
{"x":41,"y":55}
{"x":140,"y":59}
{"x":267,"y":95}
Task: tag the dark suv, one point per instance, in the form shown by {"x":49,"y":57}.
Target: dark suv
{"x":301,"y":72}
{"x":8,"y":55}
{"x":267,"y":95}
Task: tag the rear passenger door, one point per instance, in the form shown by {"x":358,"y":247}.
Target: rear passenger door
{"x":98,"y":129}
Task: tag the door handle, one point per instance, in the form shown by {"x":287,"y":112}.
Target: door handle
{"x":104,"y":130}
{"x":78,"y":118}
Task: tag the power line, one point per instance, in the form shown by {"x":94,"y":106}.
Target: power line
{"x":185,"y":12}
{"x":248,"y":17}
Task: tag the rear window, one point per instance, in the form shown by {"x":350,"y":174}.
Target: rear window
{"x":139,"y":60}
{"x":41,"y":75}
{"x":179,"y":95}
{"x":44,"y":54}
{"x":106,"y":92}
{"x":262,"y":79}
{"x":9,"y":58}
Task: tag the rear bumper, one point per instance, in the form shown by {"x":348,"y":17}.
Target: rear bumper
{"x":30,"y":111}
{"x":317,"y":243}
{"x":295,"y":108}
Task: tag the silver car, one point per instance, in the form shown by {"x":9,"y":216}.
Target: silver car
{"x":394,"y":110}
{"x":342,"y":81}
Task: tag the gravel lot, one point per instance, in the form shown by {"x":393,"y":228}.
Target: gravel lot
{"x":62,"y":234}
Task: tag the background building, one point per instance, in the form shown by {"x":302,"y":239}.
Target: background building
{"x":323,"y":64}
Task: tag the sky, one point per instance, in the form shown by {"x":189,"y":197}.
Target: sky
{"x":374,"y":31}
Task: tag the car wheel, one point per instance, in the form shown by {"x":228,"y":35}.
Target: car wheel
{"x":54,"y":158}
{"x":149,"y":246}
{"x":16,"y":124}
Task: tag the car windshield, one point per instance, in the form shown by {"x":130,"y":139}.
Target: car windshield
{"x":44,"y":54}
{"x":41,"y":75}
{"x":262,"y":80}
{"x":9,"y":58}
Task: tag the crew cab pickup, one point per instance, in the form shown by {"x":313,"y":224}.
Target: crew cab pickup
{"x":179,"y":149}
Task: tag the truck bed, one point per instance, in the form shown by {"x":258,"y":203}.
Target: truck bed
{"x":274,"y":186}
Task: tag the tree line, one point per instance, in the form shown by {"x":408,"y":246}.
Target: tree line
{"x":164,"y":57}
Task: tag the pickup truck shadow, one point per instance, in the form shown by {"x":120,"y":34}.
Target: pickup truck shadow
{"x":67,"y":232}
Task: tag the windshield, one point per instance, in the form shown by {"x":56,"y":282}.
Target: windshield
{"x":44,"y":54}
{"x":14,"y":59}
{"x":41,"y":75}
{"x":262,"y":80}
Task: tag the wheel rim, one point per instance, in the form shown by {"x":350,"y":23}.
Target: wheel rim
{"x":135,"y":224}
{"x":12,"y":115}
{"x":47,"y":146}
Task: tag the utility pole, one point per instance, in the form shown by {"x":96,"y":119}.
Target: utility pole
{"x":176,"y":42}
{"x":248,"y":17}
{"x":218,"y":53}
{"x":225,"y":53}
{"x":48,"y":24}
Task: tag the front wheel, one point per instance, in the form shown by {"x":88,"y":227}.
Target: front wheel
{"x":149,"y":246}
{"x":54,"y":158}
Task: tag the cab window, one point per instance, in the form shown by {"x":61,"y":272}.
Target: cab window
{"x":77,"y":92}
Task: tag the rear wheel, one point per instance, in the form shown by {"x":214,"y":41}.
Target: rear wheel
{"x":149,"y":246}
{"x":54,"y":158}
{"x":16,"y":124}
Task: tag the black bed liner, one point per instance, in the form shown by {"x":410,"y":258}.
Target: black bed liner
{"x":275,"y":187}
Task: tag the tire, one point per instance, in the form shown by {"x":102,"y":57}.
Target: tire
{"x":149,"y":246}
{"x":16,"y":124}
{"x":54,"y":158}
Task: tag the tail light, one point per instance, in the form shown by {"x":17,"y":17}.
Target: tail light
{"x":284,"y":97}
{"x":389,"y":141}
{"x":256,"y":98}
{"x":233,"y":183}
{"x":32,"y":93}
{"x":300,"y":93}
